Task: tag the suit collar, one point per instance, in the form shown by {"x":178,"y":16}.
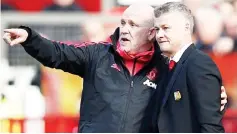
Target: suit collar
{"x":115,"y":38}
{"x":176,"y":72}
{"x":186,"y":53}
{"x":178,"y":55}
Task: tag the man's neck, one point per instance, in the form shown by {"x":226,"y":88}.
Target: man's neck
{"x":172,"y":53}
{"x":177,"y":56}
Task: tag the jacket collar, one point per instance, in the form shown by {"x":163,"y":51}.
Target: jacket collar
{"x":115,"y":37}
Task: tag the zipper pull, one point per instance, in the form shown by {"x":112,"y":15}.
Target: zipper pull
{"x":131,"y":83}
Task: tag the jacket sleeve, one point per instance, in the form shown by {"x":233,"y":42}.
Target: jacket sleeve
{"x":57,"y":55}
{"x":204,"y":81}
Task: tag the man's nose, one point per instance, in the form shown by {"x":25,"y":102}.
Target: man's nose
{"x":124,"y":30}
{"x":160,"y":34}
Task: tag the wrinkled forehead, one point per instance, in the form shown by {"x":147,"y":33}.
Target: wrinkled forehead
{"x":144,"y":18}
{"x":132,"y":16}
{"x":139,"y":9}
{"x":140,"y":13}
{"x":171,"y":18}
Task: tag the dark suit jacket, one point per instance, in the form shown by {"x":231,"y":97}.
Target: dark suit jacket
{"x":191,"y":98}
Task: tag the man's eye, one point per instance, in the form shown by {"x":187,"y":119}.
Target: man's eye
{"x":122,"y":22}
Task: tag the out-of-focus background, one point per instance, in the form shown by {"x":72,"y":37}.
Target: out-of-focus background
{"x":34,"y":98}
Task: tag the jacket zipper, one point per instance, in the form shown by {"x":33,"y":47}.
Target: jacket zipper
{"x":129,"y":96}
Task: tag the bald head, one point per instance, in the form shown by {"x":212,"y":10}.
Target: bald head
{"x":141,"y":11}
{"x":136,"y":33}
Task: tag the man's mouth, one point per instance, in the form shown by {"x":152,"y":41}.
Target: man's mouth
{"x":162,"y":41}
{"x":124,"y":39}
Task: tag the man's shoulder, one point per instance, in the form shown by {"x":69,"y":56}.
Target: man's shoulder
{"x":199,"y":56}
{"x":201,"y":60}
{"x":93,"y":44}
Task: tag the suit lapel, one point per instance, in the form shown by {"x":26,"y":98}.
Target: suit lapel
{"x":176,"y":72}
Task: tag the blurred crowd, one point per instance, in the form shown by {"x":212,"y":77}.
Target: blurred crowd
{"x":216,"y":25}
{"x":215,"y":29}
{"x":57,"y":5}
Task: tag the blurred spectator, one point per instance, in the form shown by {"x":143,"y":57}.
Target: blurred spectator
{"x":21,"y":99}
{"x":63,"y":5}
{"x":226,"y":10}
{"x":223,"y":45}
{"x":91,"y":30}
{"x":6,"y":74}
{"x":234,"y":3}
{"x":193,"y":4}
{"x":231,"y":26}
{"x":231,"y":29}
{"x":36,"y":81}
{"x":209,"y":24}
{"x":5,"y":6}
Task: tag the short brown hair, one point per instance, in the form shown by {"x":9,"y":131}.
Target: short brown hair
{"x":175,"y":7}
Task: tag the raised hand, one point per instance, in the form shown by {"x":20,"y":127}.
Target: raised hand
{"x":15,"y":36}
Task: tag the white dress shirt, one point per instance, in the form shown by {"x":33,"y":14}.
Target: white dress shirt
{"x":178,"y":55}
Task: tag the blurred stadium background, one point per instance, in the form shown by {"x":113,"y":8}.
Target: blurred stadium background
{"x":34,"y":98}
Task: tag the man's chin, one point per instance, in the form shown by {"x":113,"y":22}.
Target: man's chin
{"x":164,"y":49}
{"x":127,"y":50}
{"x":125,"y":46}
{"x":166,"y":53}
{"x":124,"y":43}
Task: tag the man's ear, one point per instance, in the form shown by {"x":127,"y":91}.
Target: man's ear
{"x":152,"y":33}
{"x":187,"y":27}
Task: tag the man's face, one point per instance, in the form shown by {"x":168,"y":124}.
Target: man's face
{"x":134,"y":32}
{"x":170,"y":31}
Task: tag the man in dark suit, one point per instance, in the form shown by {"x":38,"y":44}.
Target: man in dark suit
{"x":188,"y":100}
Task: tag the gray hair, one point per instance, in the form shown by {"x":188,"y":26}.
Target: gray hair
{"x":175,"y":7}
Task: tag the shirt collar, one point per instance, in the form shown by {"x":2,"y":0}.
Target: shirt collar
{"x":178,"y":55}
